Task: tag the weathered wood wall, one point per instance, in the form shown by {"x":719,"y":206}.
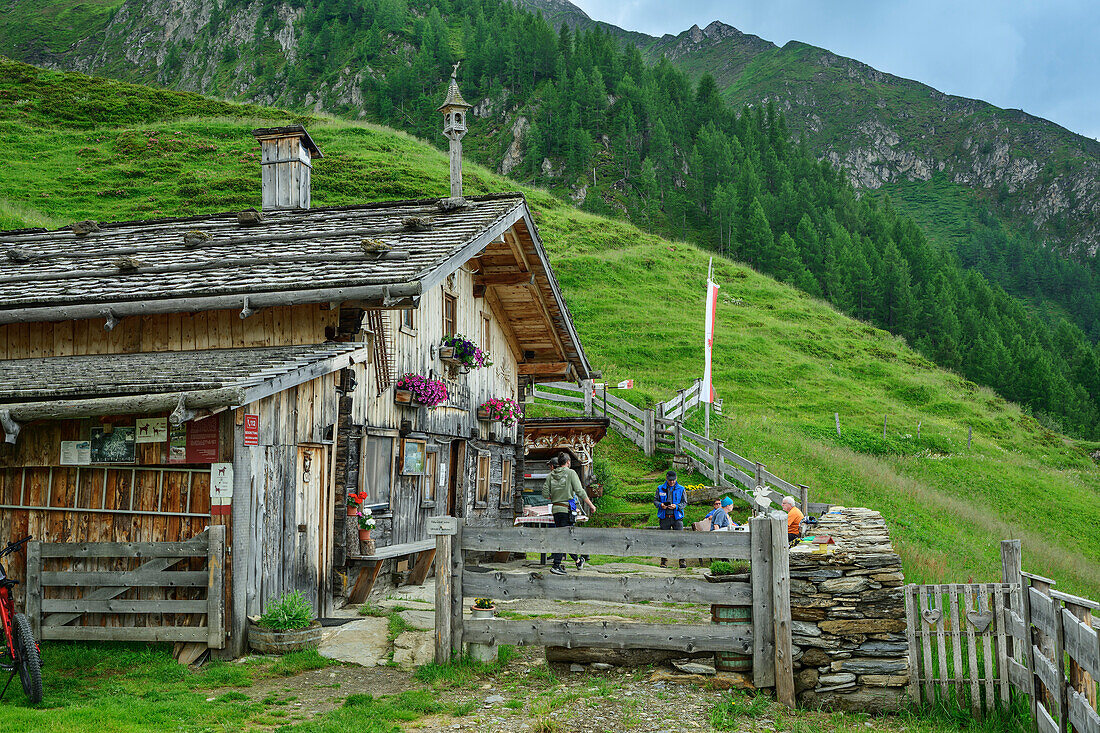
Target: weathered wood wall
{"x":405,"y":521}
{"x":291,"y":513}
{"x":222,"y":329}
{"x":109,"y":503}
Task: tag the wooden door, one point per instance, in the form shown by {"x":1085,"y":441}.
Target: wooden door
{"x":455,"y":476}
{"x":311,"y":535}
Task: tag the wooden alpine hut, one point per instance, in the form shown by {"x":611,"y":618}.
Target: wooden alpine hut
{"x":187,"y":403}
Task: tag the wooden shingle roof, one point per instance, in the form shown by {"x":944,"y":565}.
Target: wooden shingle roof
{"x":103,"y":384}
{"x":207,"y":262}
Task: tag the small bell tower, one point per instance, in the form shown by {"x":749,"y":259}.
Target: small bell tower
{"x":454,"y":110}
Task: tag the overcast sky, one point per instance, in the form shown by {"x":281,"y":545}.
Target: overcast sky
{"x":1042,"y":56}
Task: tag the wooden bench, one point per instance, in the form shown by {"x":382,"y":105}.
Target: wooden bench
{"x":368,"y":575}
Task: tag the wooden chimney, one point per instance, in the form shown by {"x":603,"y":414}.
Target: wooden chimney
{"x":286,"y":161}
{"x":454,"y":110}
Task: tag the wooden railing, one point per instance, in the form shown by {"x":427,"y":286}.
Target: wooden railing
{"x":977,"y":642}
{"x":768,"y":640}
{"x":128,"y":591}
{"x":661,"y":429}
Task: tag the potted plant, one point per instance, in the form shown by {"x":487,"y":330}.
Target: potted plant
{"x":464,"y":353}
{"x":504,"y":410}
{"x":366,"y":524}
{"x":728,"y":572}
{"x":355,"y":501}
{"x":483,"y":608}
{"x":287,"y":625}
{"x":424,"y":391}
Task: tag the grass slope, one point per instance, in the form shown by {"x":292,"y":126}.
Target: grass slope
{"x":784,"y":362}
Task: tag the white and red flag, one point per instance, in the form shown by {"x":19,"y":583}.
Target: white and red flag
{"x":706,"y":392}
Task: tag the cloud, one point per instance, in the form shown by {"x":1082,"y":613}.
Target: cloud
{"x":1041,"y":57}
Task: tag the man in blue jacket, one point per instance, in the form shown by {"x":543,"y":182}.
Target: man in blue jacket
{"x":670,"y":501}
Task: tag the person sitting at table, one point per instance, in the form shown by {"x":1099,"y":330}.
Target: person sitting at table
{"x":563,"y":486}
{"x":721,"y":519}
{"x":794,"y":518}
{"x":717,"y":509}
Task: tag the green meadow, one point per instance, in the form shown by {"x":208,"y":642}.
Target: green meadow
{"x":784,"y":362}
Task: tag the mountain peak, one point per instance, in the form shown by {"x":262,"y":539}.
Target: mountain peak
{"x":716,"y":31}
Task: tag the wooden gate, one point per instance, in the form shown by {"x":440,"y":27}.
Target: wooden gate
{"x":129,"y":591}
{"x":958,"y":644}
{"x":978,"y":643}
{"x":768,"y":639}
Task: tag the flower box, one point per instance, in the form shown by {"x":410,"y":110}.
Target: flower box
{"x":420,"y":391}
{"x":464,"y":353}
{"x":482,"y":413}
{"x":504,"y":410}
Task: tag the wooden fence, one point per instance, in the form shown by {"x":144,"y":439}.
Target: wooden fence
{"x":129,"y":591}
{"x":768,"y":639}
{"x":662,"y":429}
{"x":979,"y":642}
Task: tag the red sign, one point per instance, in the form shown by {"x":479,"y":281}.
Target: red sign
{"x":251,"y":429}
{"x":202,"y":440}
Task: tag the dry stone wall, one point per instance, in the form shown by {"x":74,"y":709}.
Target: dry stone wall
{"x":848,"y":616}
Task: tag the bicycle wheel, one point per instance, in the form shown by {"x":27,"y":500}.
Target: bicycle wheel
{"x":29,"y":662}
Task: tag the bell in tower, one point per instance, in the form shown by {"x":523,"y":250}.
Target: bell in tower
{"x":454,"y":109}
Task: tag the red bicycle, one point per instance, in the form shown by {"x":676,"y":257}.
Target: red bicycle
{"x":22,"y":649}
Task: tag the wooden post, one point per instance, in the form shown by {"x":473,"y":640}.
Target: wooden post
{"x":759,"y":474}
{"x":443,"y":598}
{"x":836,"y":416}
{"x":649,"y":436}
{"x":683,"y":405}
{"x":678,"y":438}
{"x":457,"y":566}
{"x":706,"y":420}
{"x":33,"y":576}
{"x":587,"y":387}
{"x":215,"y":601}
{"x":243,"y":594}
{"x":763,"y":637}
{"x":1011,"y":567}
{"x":1033,"y":687}
{"x":718,"y":463}
{"x":804,"y":503}
{"x":913,"y":620}
{"x":781,"y":602}
{"x":605,"y":399}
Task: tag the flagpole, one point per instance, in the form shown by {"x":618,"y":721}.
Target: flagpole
{"x":706,"y":405}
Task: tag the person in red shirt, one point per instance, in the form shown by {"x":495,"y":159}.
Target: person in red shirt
{"x":794,"y":518}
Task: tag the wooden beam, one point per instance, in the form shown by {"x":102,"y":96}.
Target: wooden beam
{"x":781,"y":610}
{"x":517,"y":251}
{"x":536,"y":293}
{"x":503,"y":278}
{"x":443,"y":599}
{"x":501,"y":316}
{"x":618,"y":589}
{"x":610,"y":635}
{"x":601,"y":541}
{"x":542,"y":368}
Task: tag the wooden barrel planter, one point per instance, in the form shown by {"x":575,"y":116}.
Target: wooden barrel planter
{"x":268,"y":641}
{"x":731,"y":616}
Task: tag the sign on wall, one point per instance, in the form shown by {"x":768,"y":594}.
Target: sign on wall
{"x":221,"y":488}
{"x":76,"y":452}
{"x":202,"y":440}
{"x":251,"y":429}
{"x":116,"y":446}
{"x":151,"y":429}
{"x":177,"y":444}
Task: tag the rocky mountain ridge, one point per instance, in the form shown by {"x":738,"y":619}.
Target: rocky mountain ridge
{"x":884,"y":129}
